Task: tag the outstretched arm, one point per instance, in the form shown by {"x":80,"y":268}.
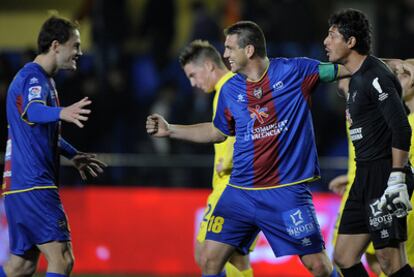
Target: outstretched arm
{"x":158,"y":127}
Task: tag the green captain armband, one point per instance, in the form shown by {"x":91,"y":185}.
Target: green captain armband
{"x":328,"y":72}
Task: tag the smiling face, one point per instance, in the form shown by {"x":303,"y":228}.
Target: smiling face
{"x":69,"y":52}
{"x":234,"y":54}
{"x":337,"y":48}
{"x":199,"y":75}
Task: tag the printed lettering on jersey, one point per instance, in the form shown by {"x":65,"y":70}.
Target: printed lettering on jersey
{"x":381,"y":95}
{"x":355,"y":134}
{"x":299,"y":223}
{"x":378,"y":219}
{"x":35,"y":92}
{"x":260,"y":115}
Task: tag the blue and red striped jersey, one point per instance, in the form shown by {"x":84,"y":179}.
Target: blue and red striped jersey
{"x":272,"y":123}
{"x":32,"y":155}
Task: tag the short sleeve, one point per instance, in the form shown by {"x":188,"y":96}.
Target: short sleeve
{"x":223,"y":119}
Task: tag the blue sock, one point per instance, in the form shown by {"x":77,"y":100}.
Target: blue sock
{"x":51,"y":274}
{"x":222,"y":274}
{"x":334,"y":273}
{"x":2,"y":273}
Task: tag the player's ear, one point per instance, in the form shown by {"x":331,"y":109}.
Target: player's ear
{"x":249,"y":50}
{"x":351,"y":42}
{"x":54,"y":46}
{"x":209,"y":65}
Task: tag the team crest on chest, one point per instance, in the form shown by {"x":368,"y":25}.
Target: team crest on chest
{"x":258,"y":92}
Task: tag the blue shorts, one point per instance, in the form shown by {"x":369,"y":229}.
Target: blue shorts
{"x":286,"y":216}
{"x":35,"y":217}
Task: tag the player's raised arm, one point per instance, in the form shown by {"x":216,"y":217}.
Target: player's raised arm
{"x":157,"y":126}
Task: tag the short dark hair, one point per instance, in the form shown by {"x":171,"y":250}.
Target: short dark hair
{"x":353,"y":23}
{"x":198,"y":50}
{"x":54,"y":28}
{"x":249,"y":33}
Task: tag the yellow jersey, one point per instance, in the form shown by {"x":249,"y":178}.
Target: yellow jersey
{"x":223,"y":151}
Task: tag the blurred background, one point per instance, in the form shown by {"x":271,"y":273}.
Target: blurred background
{"x":130,"y":69}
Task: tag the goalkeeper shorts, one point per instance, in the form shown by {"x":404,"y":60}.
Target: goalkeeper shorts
{"x":361,"y":214}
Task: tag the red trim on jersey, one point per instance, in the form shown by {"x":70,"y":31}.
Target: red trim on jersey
{"x":19,"y":104}
{"x":308,"y":85}
{"x":265,"y":149}
{"x":230,"y":121}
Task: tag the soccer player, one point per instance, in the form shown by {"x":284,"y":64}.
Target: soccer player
{"x":378,"y":200}
{"x":266,"y":107}
{"x":37,"y":221}
{"x":205,"y":70}
{"x":405,"y":73}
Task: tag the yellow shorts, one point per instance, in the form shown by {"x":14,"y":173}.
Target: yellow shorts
{"x":208,"y":211}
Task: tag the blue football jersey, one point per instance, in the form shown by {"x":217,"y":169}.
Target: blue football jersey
{"x":272,"y":123}
{"x":32,"y":156}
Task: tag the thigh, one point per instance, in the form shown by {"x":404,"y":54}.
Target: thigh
{"x":56,"y":250}
{"x":349,"y":248}
{"x":288,"y":220}
{"x":22,"y":265}
{"x":232,"y":220}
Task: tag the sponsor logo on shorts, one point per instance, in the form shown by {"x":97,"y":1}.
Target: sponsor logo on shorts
{"x":378,"y":219}
{"x":35,"y":92}
{"x":384,"y":234}
{"x":299,"y":223}
{"x":306,"y":242}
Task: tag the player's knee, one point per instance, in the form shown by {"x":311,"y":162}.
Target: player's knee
{"x":341,"y":260}
{"x":20,"y":269}
{"x":63,"y":263}
{"x":69,"y":262}
{"x":210,"y":263}
{"x":320,"y":267}
{"x":241,"y":262}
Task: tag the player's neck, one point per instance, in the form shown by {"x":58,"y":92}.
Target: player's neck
{"x":255,"y":69}
{"x":219,"y":73}
{"x":47,"y":63}
{"x":410,"y":104}
{"x":354,"y":62}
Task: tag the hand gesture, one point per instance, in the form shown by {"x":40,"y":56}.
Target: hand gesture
{"x":157,"y":126}
{"x":75,"y":112}
{"x":395,"y":198}
{"x":87,"y":162}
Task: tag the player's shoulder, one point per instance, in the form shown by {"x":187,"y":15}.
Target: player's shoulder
{"x":289,"y":63}
{"x":234,"y":80}
{"x":31,"y":74}
{"x":374,"y":67}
